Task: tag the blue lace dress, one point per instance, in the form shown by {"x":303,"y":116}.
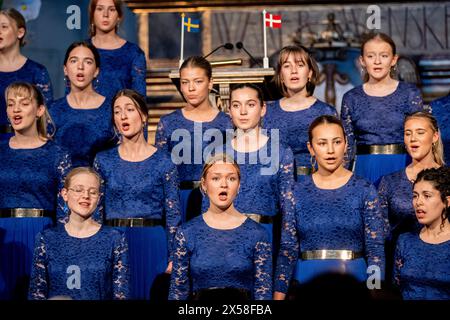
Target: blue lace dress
{"x":92,"y":268}
{"x":122,"y":68}
{"x":422,"y":270}
{"x":189,"y":143}
{"x":370,"y":120}
{"x":145,"y":189}
{"x":267,"y":182}
{"x":29,"y":178}
{"x":346,"y":218}
{"x":31,"y":72}
{"x":396,"y":193}
{"x":206,"y":257}
{"x":294,"y":126}
{"x":83,"y":132}
{"x":440,"y":109}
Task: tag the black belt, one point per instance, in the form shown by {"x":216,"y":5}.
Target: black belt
{"x":260,"y":218}
{"x":222,"y":293}
{"x":134,"y":222}
{"x":381,"y":149}
{"x":25,"y":213}
{"x":189,"y":184}
{"x":6,"y":128}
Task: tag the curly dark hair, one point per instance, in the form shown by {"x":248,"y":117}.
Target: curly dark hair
{"x":440,"y":179}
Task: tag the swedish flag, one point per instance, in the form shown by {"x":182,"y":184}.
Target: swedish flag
{"x":191,"y":25}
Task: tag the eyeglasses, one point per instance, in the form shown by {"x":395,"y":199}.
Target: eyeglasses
{"x":79,"y":191}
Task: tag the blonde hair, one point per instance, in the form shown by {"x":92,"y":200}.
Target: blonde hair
{"x":220,"y":157}
{"x":25,"y":89}
{"x":80,"y":170}
{"x":438,"y":147}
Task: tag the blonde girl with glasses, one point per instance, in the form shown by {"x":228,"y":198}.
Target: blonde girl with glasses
{"x":81,"y":260}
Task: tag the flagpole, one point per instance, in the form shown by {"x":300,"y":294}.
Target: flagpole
{"x":182,"y":40}
{"x":265,"y":59}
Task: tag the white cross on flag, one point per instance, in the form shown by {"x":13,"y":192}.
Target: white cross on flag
{"x":273,"y":21}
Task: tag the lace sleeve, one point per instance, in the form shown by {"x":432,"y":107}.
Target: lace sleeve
{"x":179,"y":283}
{"x":398,"y":264}
{"x":288,"y":253}
{"x":161,"y":139}
{"x":121,"y":276}
{"x":347,"y":122}
{"x":99,"y":213}
{"x":286,"y":182}
{"x":38,"y":289}
{"x":172,"y":206}
{"x":138,"y":73}
{"x":375,"y":230}
{"x":262,"y":289}
{"x":43,"y":82}
{"x":63,"y":166}
{"x":384,"y":196}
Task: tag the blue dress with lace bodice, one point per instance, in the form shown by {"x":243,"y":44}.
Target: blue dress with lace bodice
{"x":83,"y":132}
{"x":29,"y":178}
{"x":189,"y":144}
{"x":371,"y":120}
{"x":121,"y":68}
{"x":422,"y":270}
{"x":177,"y":134}
{"x":145,"y":189}
{"x":294,"y":126}
{"x":346,"y":218}
{"x":92,"y":268}
{"x":206,"y":257}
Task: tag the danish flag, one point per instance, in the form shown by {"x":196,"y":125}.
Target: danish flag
{"x":273,"y":21}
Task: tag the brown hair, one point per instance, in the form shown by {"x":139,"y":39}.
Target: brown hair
{"x":303,"y":54}
{"x":93,"y":5}
{"x":25,"y":89}
{"x":18,"y":18}
{"x":252,"y":86}
{"x":378,"y":36}
{"x":325,"y":119}
{"x":197,"y":62}
{"x":137,"y":100}
{"x":80,"y":170}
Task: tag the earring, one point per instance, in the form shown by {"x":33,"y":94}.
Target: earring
{"x":66,"y":209}
{"x":433,"y":146}
{"x":313,"y":162}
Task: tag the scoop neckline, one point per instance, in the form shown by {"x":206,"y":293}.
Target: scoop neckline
{"x":20,"y":68}
{"x":390,"y":94}
{"x":25,"y":149}
{"x":216,"y":116}
{"x":281,"y":108}
{"x":83,"y":238}
{"x":121,"y":47}
{"x":334,"y":189}
{"x":231,"y":229}
{"x":83,"y":109}
{"x":140,"y":161}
